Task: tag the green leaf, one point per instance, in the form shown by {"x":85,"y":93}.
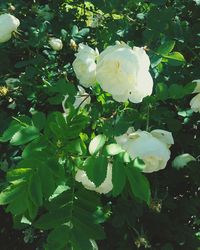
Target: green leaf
{"x":175,"y":59}
{"x":96,"y":169}
{"x":76,"y":147}
{"x":118,"y":176}
{"x":19,"y":173}
{"x":10,"y":193}
{"x":47,"y":181}
{"x":138,"y":183}
{"x":155,"y":60}
{"x":10,"y":131}
{"x":74,"y":30}
{"x":35,"y":189}
{"x":35,"y":147}
{"x":162,"y":91}
{"x":53,"y":218}
{"x":113,"y":149}
{"x":139,"y":163}
{"x":17,"y":207}
{"x":96,"y":144}
{"x":39,"y":120}
{"x":58,"y":238}
{"x":56,"y":123}
{"x":32,"y":209}
{"x":83,"y":32}
{"x":176,"y":91}
{"x":24,"y":135}
{"x":84,"y":221}
{"x":79,"y":240}
{"x":166,"y":48}
{"x":189,"y":88}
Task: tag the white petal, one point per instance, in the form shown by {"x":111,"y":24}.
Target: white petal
{"x":143,"y":88}
{"x":143,"y":58}
{"x":197,"y":87}
{"x":163,"y":135}
{"x":195,"y":103}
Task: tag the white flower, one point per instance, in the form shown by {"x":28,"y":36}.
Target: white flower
{"x":195,"y":103}
{"x":124,"y":73}
{"x":85,"y":66}
{"x":81,"y":99}
{"x":104,"y":188}
{"x":55,"y":43}
{"x":8,"y":24}
{"x":153,"y":151}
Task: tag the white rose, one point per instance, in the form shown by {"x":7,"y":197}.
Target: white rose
{"x":153,"y":151}
{"x":85,"y":66}
{"x":124,"y":73}
{"x":55,"y":43}
{"x":104,"y":188}
{"x":195,"y":103}
{"x":8,"y":24}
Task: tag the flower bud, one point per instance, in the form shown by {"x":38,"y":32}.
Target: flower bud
{"x":8,"y":24}
{"x":55,"y":43}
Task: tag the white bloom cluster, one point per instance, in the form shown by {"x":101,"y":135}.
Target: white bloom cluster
{"x":104,"y":188}
{"x":120,"y":70}
{"x":8,"y":24}
{"x":152,"y":148}
{"x":195,"y":102}
{"x":55,"y":43}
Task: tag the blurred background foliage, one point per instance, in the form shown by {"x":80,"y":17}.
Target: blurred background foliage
{"x":40,"y":78}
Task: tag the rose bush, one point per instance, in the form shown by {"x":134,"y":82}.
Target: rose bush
{"x":74,"y":174}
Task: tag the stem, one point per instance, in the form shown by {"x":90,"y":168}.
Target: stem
{"x":22,"y":123}
{"x":147,"y":125}
{"x":72,"y":200}
{"x":83,"y":101}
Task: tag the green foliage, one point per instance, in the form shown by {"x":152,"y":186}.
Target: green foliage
{"x":45,"y":139}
